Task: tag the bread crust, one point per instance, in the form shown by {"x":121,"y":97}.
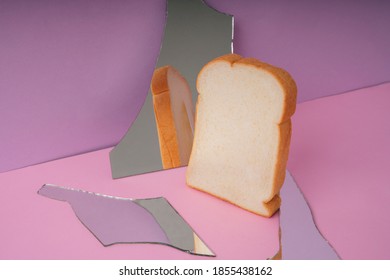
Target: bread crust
{"x":285,"y":79}
{"x":169,"y":149}
{"x":289,"y":90}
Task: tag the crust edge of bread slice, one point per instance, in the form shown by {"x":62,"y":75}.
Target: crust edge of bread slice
{"x":284,"y":78}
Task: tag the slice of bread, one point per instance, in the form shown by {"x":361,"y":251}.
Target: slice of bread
{"x":242,"y":133}
{"x":174,"y":113}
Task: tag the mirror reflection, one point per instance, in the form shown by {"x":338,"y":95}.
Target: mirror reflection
{"x":114,"y":220}
{"x":161,"y":136}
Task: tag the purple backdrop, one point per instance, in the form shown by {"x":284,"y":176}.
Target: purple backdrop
{"x":73,"y":74}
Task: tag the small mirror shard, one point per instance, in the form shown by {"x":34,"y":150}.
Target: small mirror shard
{"x":194,"y":34}
{"x":114,"y":220}
{"x":299,"y":236}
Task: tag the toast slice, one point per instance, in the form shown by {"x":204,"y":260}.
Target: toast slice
{"x":173,"y":110}
{"x":243,"y":132}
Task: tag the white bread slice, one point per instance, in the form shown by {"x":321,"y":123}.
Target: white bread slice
{"x":242,"y":133}
{"x":173,"y":110}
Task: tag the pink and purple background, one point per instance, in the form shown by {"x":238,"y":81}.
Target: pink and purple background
{"x":73,"y":76}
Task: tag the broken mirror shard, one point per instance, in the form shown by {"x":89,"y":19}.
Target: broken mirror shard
{"x":299,"y":235}
{"x":114,"y":220}
{"x":194,"y":34}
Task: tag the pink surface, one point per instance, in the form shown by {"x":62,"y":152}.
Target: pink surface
{"x":340,"y":158}
{"x":34,"y":227}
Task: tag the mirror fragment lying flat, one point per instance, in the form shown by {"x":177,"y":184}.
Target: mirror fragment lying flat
{"x":194,"y":34}
{"x":114,"y":220}
{"x":300,"y":238}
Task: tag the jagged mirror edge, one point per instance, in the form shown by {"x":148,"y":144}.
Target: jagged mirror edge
{"x":299,"y":236}
{"x":116,"y":220}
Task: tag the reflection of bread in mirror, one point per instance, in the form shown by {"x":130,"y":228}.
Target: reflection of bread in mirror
{"x":243,"y":132}
{"x":201,"y":248}
{"x":172,"y":102}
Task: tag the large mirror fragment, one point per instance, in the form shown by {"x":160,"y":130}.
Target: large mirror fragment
{"x":161,"y":136}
